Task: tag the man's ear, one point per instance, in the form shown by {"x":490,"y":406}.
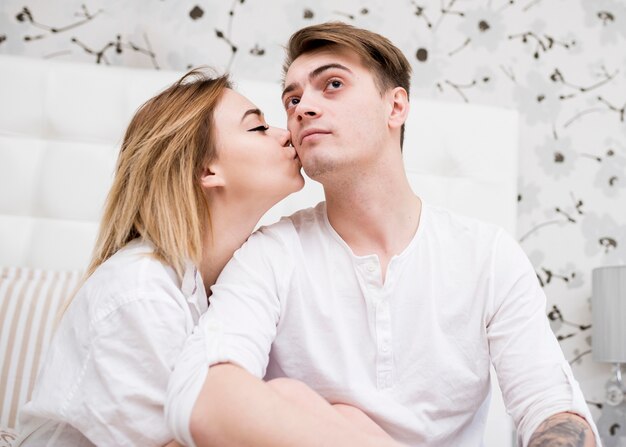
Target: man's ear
{"x":399,"y":101}
{"x":211,"y":176}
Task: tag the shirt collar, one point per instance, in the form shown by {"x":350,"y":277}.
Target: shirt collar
{"x":192,"y":287}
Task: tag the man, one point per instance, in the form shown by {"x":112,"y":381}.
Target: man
{"x":373,"y":298}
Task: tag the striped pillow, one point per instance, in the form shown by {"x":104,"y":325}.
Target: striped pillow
{"x":30,"y":302}
{"x":7,"y":437}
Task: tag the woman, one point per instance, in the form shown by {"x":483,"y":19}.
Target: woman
{"x":197,"y":169}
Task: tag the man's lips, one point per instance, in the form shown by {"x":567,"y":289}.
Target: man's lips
{"x":310,"y":132}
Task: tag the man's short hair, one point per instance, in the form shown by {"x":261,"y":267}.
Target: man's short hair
{"x":388,"y":65}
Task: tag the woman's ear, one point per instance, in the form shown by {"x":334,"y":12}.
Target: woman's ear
{"x":399,"y":101}
{"x":211,"y":176}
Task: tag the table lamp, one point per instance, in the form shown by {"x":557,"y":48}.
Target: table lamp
{"x":608,"y":307}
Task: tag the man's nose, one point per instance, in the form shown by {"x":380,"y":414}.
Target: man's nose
{"x":307,"y":108}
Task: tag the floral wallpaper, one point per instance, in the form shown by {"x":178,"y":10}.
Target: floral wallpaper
{"x":561,"y":63}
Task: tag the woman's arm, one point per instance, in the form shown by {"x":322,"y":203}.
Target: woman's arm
{"x":237,"y":409}
{"x":216,"y":396}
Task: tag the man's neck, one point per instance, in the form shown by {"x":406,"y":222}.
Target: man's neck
{"x":375,"y":217}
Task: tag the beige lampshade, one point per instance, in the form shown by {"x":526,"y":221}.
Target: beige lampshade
{"x":608,"y":306}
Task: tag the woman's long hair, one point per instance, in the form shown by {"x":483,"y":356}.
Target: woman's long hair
{"x":156,"y":193}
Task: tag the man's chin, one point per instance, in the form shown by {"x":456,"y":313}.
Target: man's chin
{"x":315,"y":171}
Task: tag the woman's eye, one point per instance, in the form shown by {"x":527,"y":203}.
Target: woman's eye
{"x":260,"y":128}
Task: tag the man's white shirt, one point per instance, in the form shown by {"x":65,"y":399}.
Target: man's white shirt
{"x":413,"y":352}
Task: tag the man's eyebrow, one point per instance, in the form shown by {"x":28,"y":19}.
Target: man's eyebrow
{"x":251,"y":112}
{"x":314,"y":74}
{"x":319,"y":70}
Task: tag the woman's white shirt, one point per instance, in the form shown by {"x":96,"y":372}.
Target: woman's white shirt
{"x":106,"y":371}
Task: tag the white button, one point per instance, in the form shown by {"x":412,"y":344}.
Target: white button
{"x":386,"y":380}
{"x":385,"y":344}
{"x":371,"y":268}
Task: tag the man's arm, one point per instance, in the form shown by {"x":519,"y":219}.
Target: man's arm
{"x":535,"y":378}
{"x":563,"y":429}
{"x":235,"y":408}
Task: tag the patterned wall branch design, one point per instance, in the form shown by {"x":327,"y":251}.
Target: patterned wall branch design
{"x":607,"y":77}
{"x":227,"y":35}
{"x":118,"y":46}
{"x":557,"y":321}
{"x":26,"y":16}
{"x":478,"y":81}
{"x":420,"y":11}
{"x":543,"y":43}
{"x":446,"y":11}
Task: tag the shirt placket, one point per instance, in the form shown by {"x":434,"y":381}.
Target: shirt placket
{"x":375,"y":293}
{"x":384,"y":357}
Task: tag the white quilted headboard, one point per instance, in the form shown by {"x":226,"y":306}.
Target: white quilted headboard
{"x":61,"y":125}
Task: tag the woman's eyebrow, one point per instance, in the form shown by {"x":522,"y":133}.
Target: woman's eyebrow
{"x":252,"y":112}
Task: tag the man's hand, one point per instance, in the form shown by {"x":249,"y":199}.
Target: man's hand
{"x":563,"y":430}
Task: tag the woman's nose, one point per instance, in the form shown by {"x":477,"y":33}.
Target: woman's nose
{"x":283,"y":136}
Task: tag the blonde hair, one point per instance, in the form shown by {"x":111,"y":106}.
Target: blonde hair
{"x":156,"y":193}
{"x":389,"y":66}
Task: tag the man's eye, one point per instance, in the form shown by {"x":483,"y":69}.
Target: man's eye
{"x":259,"y":128}
{"x":291,"y":102}
{"x":335,"y":83}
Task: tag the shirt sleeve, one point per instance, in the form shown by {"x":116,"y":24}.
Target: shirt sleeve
{"x":535,"y":378}
{"x":239,"y":326}
{"x":119,"y":397}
